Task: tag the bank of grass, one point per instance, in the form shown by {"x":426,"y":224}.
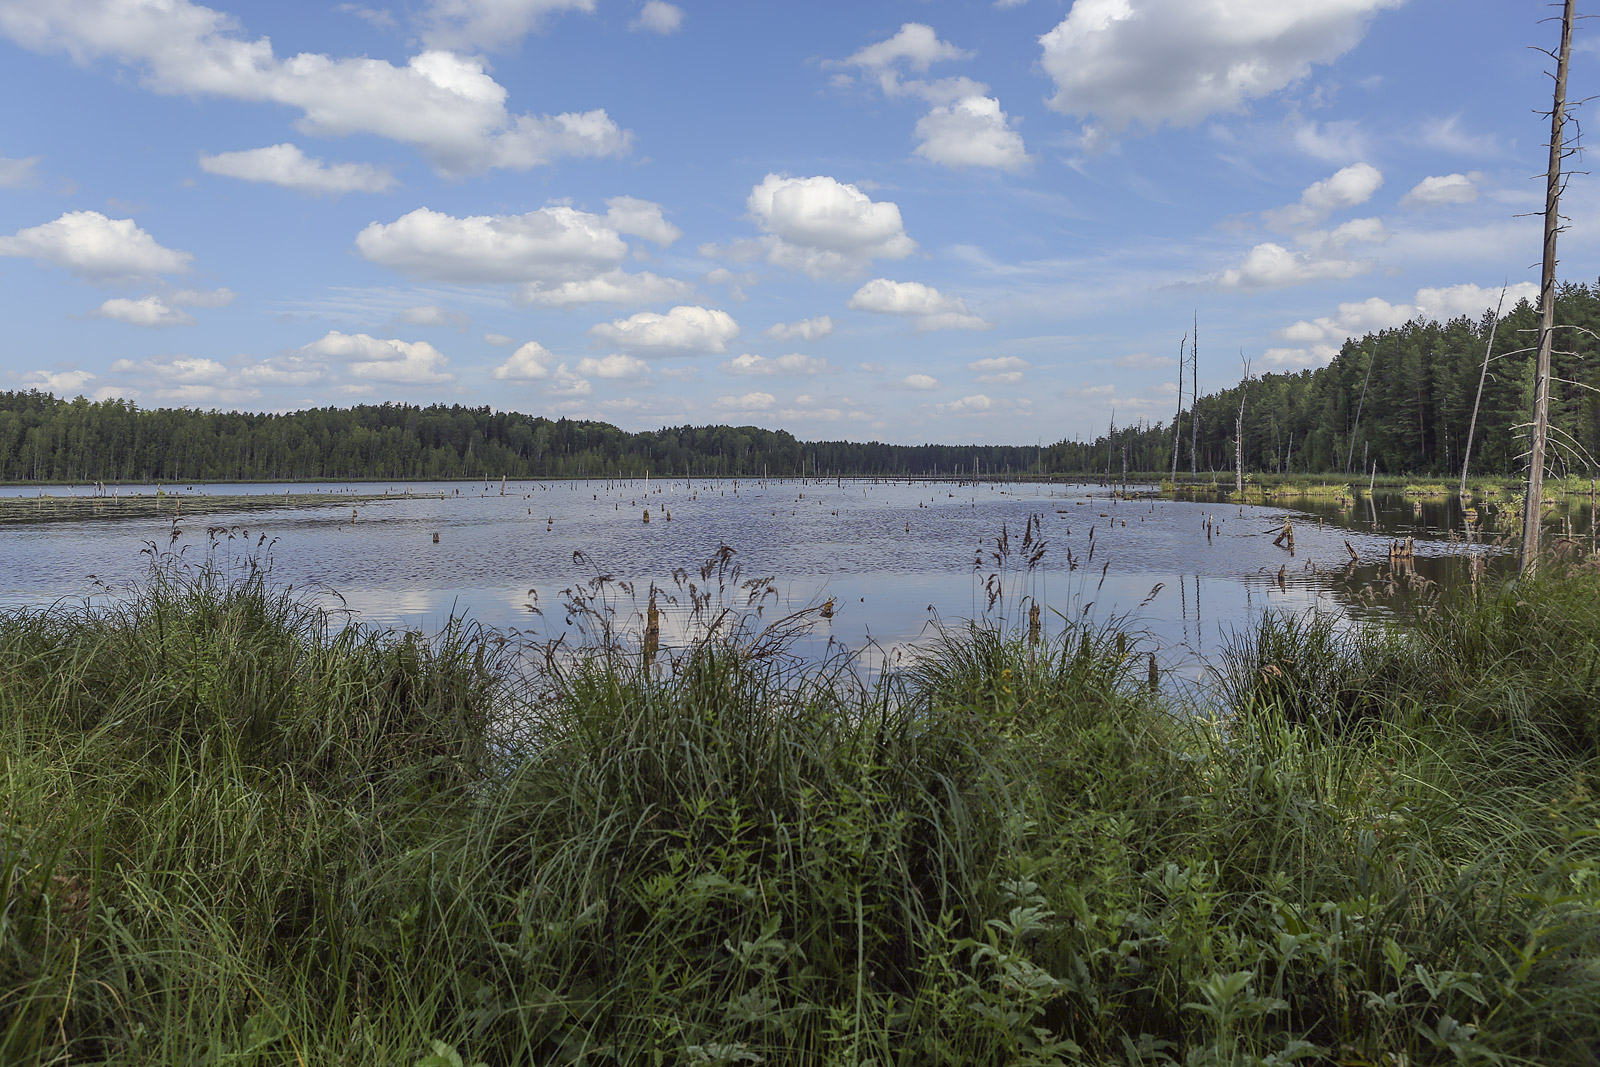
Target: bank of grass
{"x":233,"y":833}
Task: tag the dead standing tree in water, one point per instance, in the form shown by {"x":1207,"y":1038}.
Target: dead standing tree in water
{"x":1177,"y":419}
{"x":1466,"y":455}
{"x":1533,"y":501}
{"x":1238,"y":430}
{"x":1194,"y":395}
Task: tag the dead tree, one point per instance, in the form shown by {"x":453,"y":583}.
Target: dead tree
{"x":1194,"y":396}
{"x":1238,"y":431}
{"x":1177,"y":420}
{"x":1533,"y":501}
{"x":1472,"y":426}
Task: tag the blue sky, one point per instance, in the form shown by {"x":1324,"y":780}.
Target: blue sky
{"x":905,"y":221}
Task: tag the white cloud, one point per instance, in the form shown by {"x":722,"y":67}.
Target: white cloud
{"x":60,"y":382}
{"x":376,"y":359}
{"x":1272,"y":266}
{"x":826,"y":227}
{"x":564,"y":382}
{"x":1453,"y":301}
{"x":999,"y":370}
{"x":443,"y":103}
{"x":972,"y":132}
{"x":975,"y":404}
{"x":915,"y":42}
{"x":613,"y":367}
{"x":1442,"y":189}
{"x":658,"y":16}
{"x":1446,"y":135}
{"x":286,"y":165}
{"x":612,"y":287}
{"x":805,"y":330}
{"x":552,"y":244}
{"x":18,"y":173}
{"x":680,"y":374}
{"x":642,"y":218}
{"x":95,"y":247}
{"x":177,"y":370}
{"x":529,"y":363}
{"x":1178,"y":61}
{"x":474,"y":24}
{"x":145,"y":311}
{"x":499,"y":340}
{"x":686,"y":328}
{"x":920,"y":381}
{"x":793,"y":363}
{"x":749,"y":402}
{"x":1315,"y":356}
{"x":931,"y":309}
{"x":287,"y":369}
{"x":1346,"y":188}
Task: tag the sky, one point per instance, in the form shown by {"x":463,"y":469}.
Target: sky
{"x":912,"y":221}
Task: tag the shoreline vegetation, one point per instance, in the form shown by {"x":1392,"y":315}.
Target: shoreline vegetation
{"x":238,"y":831}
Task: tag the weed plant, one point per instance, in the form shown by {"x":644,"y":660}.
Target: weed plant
{"x":235,"y":831}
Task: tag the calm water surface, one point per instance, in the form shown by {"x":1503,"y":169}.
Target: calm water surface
{"x":892,"y":556}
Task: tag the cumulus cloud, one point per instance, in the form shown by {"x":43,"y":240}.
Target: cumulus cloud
{"x":529,"y":363}
{"x":613,"y":367}
{"x":825,"y":227}
{"x":920,"y":381}
{"x":999,"y":370}
{"x":180,"y":370}
{"x":1345,"y":188}
{"x":286,"y":165}
{"x":1453,"y":301}
{"x":95,"y":247}
{"x":145,"y":311}
{"x":1322,"y":256}
{"x":499,"y":340}
{"x":287,"y":369}
{"x":612,"y":287}
{"x":18,"y":173}
{"x":1443,"y":189}
{"x":442,"y":103}
{"x":976,"y":404}
{"x":1178,"y":61}
{"x":377,"y":359}
{"x":642,"y":218}
{"x":749,"y":402}
{"x":972,"y":132}
{"x":60,"y":382}
{"x":915,"y":43}
{"x":805,"y":330}
{"x":686,"y":328}
{"x":929,"y":308}
{"x":564,"y":382}
{"x":658,"y":16}
{"x":551,"y":244}
{"x":793,"y":363}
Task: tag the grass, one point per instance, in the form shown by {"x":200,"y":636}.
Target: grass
{"x":43,"y":508}
{"x":236,"y":832}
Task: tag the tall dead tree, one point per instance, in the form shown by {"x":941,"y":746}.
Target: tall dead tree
{"x":1238,"y":431}
{"x":1177,"y":420}
{"x":1194,"y":395}
{"x":1533,"y":500}
{"x":1350,"y":454}
{"x":1466,"y":454}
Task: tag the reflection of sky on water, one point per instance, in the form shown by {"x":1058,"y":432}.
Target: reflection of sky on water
{"x":893,"y":557}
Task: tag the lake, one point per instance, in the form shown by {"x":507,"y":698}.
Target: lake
{"x":893,"y":557}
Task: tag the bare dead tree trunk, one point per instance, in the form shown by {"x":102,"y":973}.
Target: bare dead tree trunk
{"x":1350,"y":454}
{"x":1533,"y":502}
{"x":1238,"y":431}
{"x":1177,"y":420}
{"x":1194,"y":397}
{"x":1466,"y":455}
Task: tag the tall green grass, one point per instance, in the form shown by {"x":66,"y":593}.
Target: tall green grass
{"x":236,"y":832}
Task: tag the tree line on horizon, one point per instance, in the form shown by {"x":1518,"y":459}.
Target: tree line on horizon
{"x":1398,"y":400}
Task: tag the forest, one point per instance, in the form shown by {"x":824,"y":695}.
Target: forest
{"x":1400,"y":401}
